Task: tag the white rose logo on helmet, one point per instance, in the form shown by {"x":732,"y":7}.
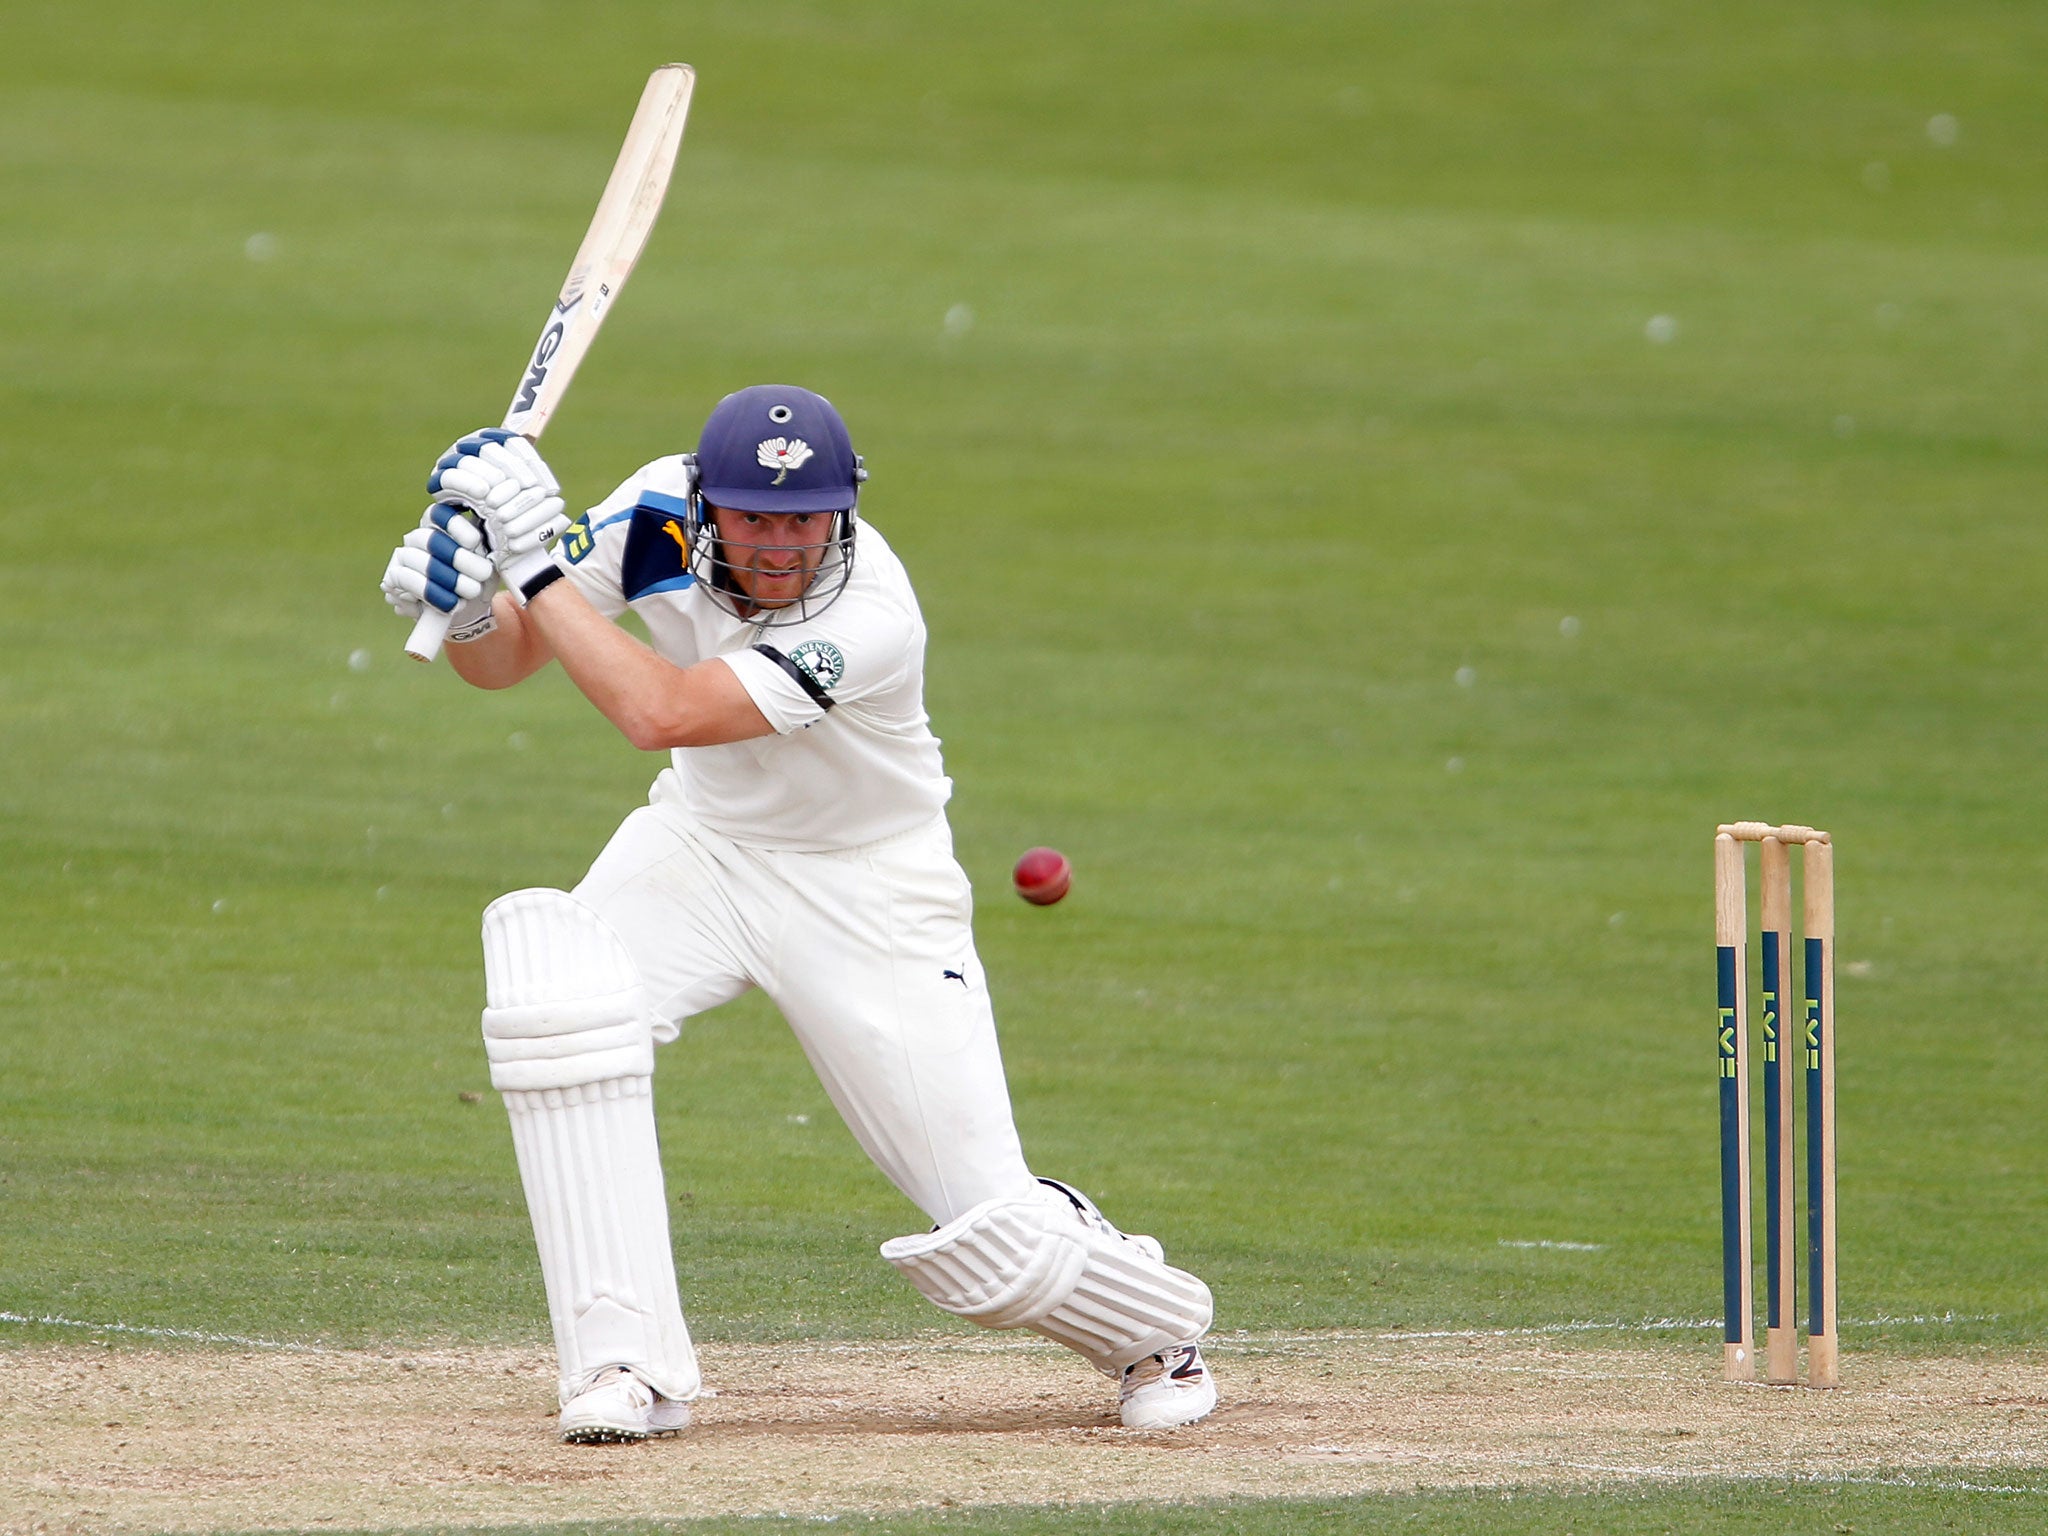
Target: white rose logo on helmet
{"x":821,"y":662}
{"x":782,"y":454}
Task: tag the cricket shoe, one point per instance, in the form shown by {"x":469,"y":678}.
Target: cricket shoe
{"x":1166,"y":1390}
{"x":619,"y":1407}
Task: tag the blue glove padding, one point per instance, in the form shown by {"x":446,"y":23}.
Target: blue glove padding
{"x":465,"y":447}
{"x":502,"y":478}
{"x":441,"y":564}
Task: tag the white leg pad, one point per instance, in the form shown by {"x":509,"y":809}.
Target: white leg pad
{"x":571,"y":1049}
{"x":1041,"y":1264}
{"x":564,"y":1004}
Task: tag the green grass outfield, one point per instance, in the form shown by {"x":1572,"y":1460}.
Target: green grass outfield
{"x":1765,"y":1509}
{"x":1384,"y":480}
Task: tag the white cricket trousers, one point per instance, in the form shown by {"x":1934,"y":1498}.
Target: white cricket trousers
{"x":869,"y":954}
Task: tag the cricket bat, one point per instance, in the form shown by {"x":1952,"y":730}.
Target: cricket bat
{"x":618,"y":232}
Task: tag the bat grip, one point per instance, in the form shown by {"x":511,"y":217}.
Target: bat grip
{"x":424,"y":644}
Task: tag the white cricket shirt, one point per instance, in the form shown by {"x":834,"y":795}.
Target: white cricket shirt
{"x":853,"y":759}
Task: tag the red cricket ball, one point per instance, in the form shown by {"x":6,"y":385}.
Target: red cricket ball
{"x":1042,"y":876}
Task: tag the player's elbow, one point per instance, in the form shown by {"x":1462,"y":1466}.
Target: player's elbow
{"x":657,"y":730}
{"x":685,"y":723}
{"x":702,"y":707}
{"x":647,"y":731}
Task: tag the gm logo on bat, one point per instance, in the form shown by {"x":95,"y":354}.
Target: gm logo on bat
{"x":543,"y":353}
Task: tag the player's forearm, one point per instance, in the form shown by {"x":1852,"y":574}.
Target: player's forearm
{"x":509,"y":654}
{"x":654,"y":703}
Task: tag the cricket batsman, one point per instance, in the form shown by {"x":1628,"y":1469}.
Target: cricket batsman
{"x":797,"y":842}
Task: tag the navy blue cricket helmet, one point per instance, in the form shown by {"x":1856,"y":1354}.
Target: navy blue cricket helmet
{"x":776,"y":448}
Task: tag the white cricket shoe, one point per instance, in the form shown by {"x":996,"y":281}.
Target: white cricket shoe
{"x":1166,"y":1390}
{"x":619,"y":1406}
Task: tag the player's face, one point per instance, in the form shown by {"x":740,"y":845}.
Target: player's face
{"x":773,"y":555}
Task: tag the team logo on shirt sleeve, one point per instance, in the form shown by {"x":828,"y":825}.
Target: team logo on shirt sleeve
{"x":821,"y":662}
{"x":577,"y":540}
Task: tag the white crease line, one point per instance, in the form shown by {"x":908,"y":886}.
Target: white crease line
{"x":1622,"y":1469}
{"x":1671,"y":1474}
{"x":1647,"y":1325}
{"x":193,"y":1335}
{"x":1239,"y":1339}
{"x":1552,"y":1242}
{"x":1945,"y":1487}
{"x":1903,"y":1480}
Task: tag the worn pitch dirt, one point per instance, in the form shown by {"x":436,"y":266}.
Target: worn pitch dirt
{"x":109,"y":1439}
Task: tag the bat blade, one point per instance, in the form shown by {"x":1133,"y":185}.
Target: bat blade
{"x":618,"y":233}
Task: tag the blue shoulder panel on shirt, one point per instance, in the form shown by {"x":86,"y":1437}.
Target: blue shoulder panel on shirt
{"x":673,"y":584}
{"x":657,"y":557}
{"x":661,"y":501}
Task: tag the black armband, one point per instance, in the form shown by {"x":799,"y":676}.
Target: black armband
{"x":804,"y":680}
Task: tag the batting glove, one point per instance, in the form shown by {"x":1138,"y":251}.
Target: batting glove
{"x":502,"y":477}
{"x":442,"y":564}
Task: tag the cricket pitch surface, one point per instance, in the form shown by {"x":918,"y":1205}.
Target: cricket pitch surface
{"x":111,"y":1438}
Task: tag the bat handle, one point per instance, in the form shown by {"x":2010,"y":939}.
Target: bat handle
{"x":424,"y":644}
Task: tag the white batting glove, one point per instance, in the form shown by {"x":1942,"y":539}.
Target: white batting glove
{"x":502,"y":477}
{"x":441,"y":564}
